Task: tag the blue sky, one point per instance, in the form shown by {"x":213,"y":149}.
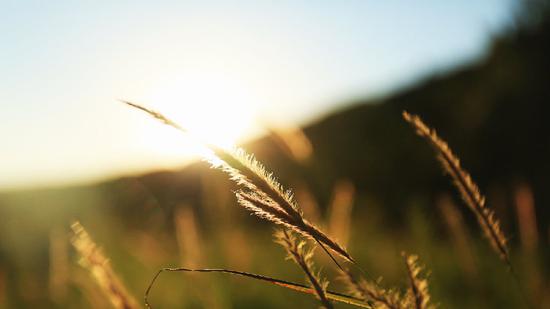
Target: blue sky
{"x":229,"y":66}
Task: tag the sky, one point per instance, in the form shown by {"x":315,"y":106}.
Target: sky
{"x":225,"y":69}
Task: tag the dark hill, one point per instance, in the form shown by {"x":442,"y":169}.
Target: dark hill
{"x":492,"y":113}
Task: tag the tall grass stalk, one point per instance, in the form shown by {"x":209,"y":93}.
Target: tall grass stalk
{"x":471,"y":195}
{"x":454,"y":222}
{"x":259,"y":191}
{"x":188,"y":236}
{"x":58,"y":265}
{"x":99,"y":267}
{"x":465,"y":185}
{"x":339,"y":220}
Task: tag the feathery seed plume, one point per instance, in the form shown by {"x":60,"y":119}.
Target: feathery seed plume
{"x":465,"y":185}
{"x":302,"y":257}
{"x":420,"y":295}
{"x":372,"y":293}
{"x":260,"y":192}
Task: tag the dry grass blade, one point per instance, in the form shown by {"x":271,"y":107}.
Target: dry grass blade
{"x":419,"y":286}
{"x":188,"y":236}
{"x":340,"y":210}
{"x":308,"y":203}
{"x":155,"y":114}
{"x":293,"y":141}
{"x":269,"y":210}
{"x":339,"y":297}
{"x":527,"y":217}
{"x":260,"y":191}
{"x":465,"y":185}
{"x":454,"y":222}
{"x":93,"y":259}
{"x":59,"y":265}
{"x":302,"y":257}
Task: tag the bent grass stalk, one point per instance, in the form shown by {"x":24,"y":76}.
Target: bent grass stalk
{"x":260,"y":192}
{"x":331,"y":295}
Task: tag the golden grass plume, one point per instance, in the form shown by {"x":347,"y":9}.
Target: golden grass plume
{"x":371,"y":292}
{"x":454,"y":222}
{"x":466,"y":186}
{"x":259,"y":191}
{"x":93,"y":259}
{"x":418,"y":293}
{"x":526,"y":216}
{"x":301,"y":256}
{"x":340,"y":209}
{"x":188,"y":236}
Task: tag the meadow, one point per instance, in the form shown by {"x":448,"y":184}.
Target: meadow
{"x":197,"y":223}
{"x":394,"y":219}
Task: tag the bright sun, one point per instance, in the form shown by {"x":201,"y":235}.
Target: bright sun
{"x":214,"y":108}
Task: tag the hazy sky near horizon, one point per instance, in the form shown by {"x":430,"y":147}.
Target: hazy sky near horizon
{"x":226,"y":67}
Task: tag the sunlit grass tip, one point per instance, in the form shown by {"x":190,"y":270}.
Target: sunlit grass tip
{"x":259,"y":191}
{"x":371,"y":292}
{"x":418,"y":294}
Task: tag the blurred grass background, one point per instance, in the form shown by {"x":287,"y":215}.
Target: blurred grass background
{"x":360,"y":172}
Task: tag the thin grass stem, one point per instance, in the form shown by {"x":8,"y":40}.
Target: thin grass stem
{"x":335,"y":296}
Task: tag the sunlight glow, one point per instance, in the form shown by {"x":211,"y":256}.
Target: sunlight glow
{"x":216,"y":109}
